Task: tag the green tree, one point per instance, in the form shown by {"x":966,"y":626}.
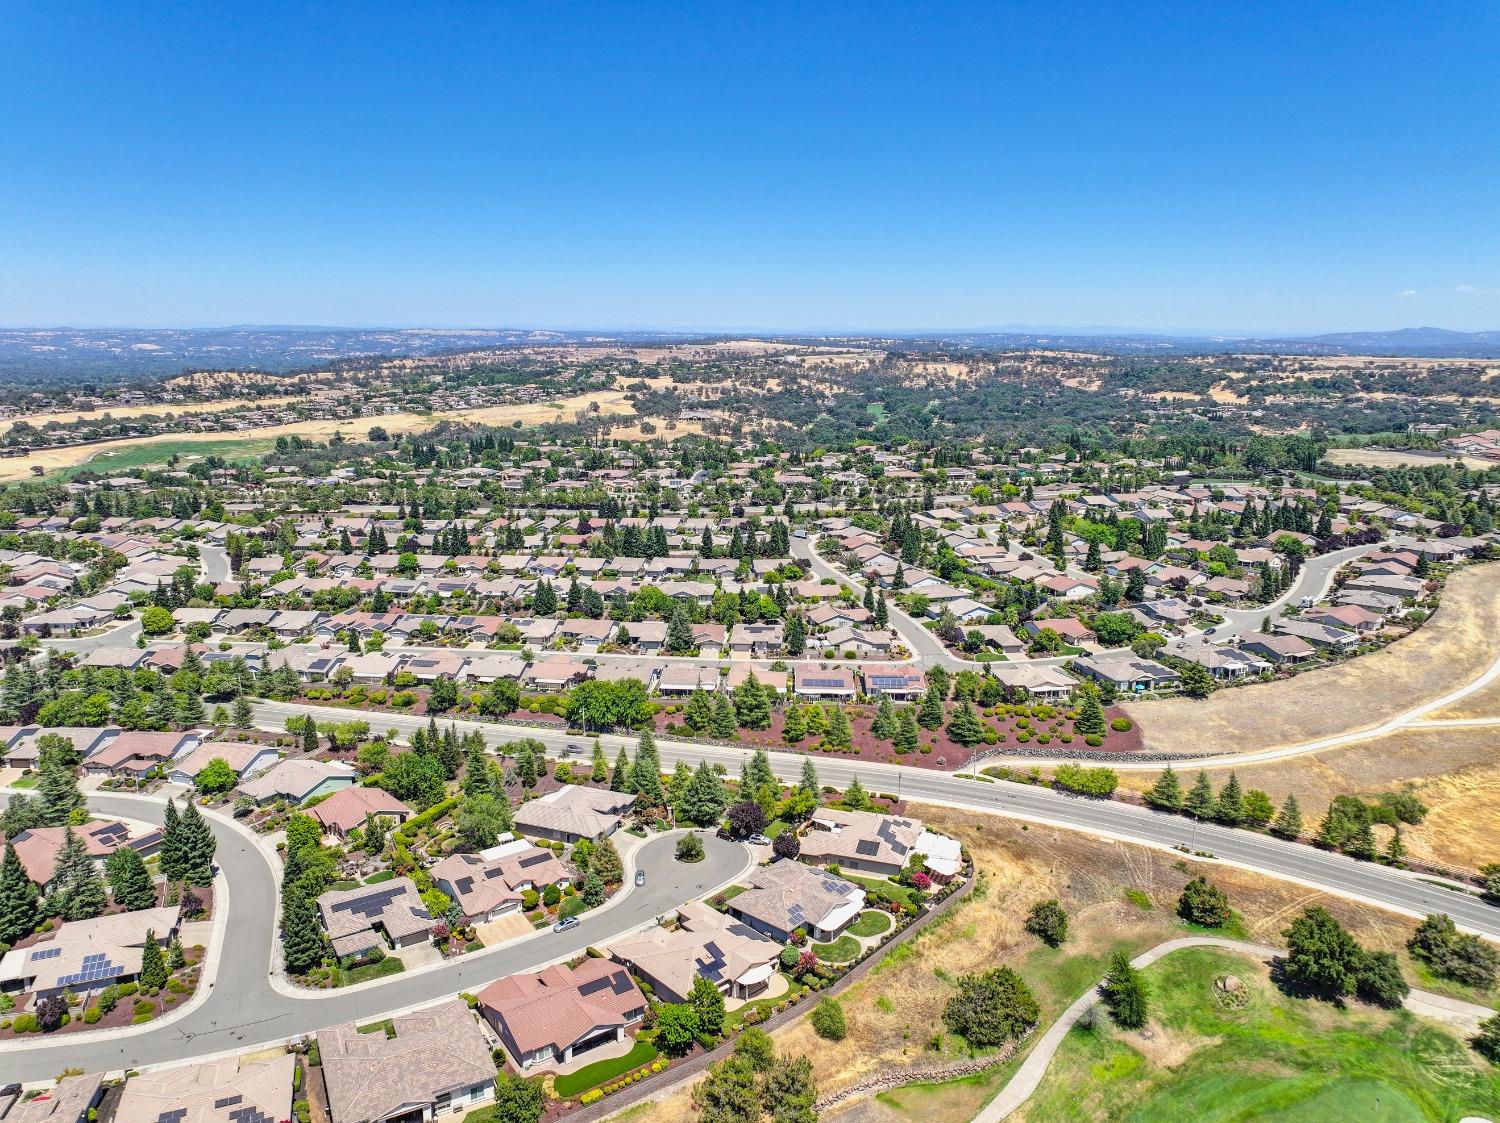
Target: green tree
{"x":1288,"y":821}
{"x":619,"y":779}
{"x":705,"y":799}
{"x":1090,"y":722}
{"x":198,"y":846}
{"x":930,"y":714}
{"x":676,"y":1028}
{"x":156,"y":621}
{"x":58,"y":789}
{"x":752,"y":707}
{"x":1166,"y":793}
{"x":728,"y":1093}
{"x":828,"y":1020}
{"x":482,"y":819}
{"x":856,"y":798}
{"x":965,"y":729}
{"x":1048,"y":922}
{"x":215,"y":777}
{"x":20,"y":911}
{"x":592,"y":892}
{"x":605,"y":861}
{"x":788,"y":1092}
{"x":1200,"y":800}
{"x":517,"y":1100}
{"x":1258,"y":809}
{"x":707,"y":1003}
{"x":129,"y":880}
{"x":793,"y":726}
{"x":1230,"y":806}
{"x":725,"y":721}
{"x":991,"y":1007}
{"x":907,"y":738}
{"x":884,"y":725}
{"x":1204,"y":904}
{"x":698,"y":714}
{"x":242,"y":716}
{"x":153,"y":975}
{"x":645,"y":773}
{"x":80,"y":890}
{"x":1321,"y":953}
{"x":680,"y":632}
{"x":598,"y":764}
{"x":1379,"y":980}
{"x":839,"y":733}
{"x":808,"y":782}
{"x":302,"y":935}
{"x":1125,"y":993}
{"x":1487,"y":1041}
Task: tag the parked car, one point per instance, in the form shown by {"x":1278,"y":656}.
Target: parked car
{"x":640,"y":877}
{"x":565,"y":923}
{"x":759,"y":840}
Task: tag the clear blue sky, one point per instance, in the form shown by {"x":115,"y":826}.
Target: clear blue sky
{"x":1253,"y":166}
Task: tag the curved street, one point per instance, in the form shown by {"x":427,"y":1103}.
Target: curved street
{"x":243,"y":1009}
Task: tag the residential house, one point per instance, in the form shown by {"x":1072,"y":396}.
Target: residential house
{"x":225,"y":1090}
{"x":836,"y":683}
{"x":85,"y":956}
{"x":901,"y":683}
{"x":1128,"y":673}
{"x":247,"y":758}
{"x":351,"y":807}
{"x":71,"y":1101}
{"x":726,"y":951}
{"x":574,"y":813}
{"x":431,"y":1063}
{"x":492,"y":883}
{"x":860,"y":840}
{"x":553,"y":1016}
{"x":298,"y":780}
{"x":1278,"y":649}
{"x":788,"y":896}
{"x":357,"y":918}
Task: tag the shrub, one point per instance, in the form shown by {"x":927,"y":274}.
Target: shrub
{"x":24,"y":1023}
{"x":592,"y":1095}
{"x":91,"y":1015}
{"x":1122,"y":725}
{"x":828,"y":1020}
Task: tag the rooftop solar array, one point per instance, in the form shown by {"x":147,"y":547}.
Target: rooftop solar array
{"x":46,"y":953}
{"x":868,"y":847}
{"x":372,"y":905}
{"x":827,"y":683}
{"x":94,"y":968}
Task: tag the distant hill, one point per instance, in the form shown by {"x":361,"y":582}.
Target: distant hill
{"x":1414,"y":341}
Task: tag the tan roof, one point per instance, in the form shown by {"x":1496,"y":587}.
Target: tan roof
{"x":370,"y":1076}
{"x":705,"y":942}
{"x":351,"y":915}
{"x":860,"y":834}
{"x":213,"y":1092}
{"x":479,"y":885}
{"x":789,"y":895}
{"x":348,"y":808}
{"x":585,"y":812}
{"x":236,"y":754}
{"x":558,"y":1007}
{"x":103,"y":950}
{"x":39,"y":847}
{"x":293,"y":778}
{"x":69,"y":1102}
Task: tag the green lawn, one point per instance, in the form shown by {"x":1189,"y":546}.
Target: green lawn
{"x":729,"y":894}
{"x":776,"y":827}
{"x":842,"y":950}
{"x":959,"y":1098}
{"x":377,"y":878}
{"x":387,"y":966}
{"x":385,"y":1026}
{"x":113,"y":459}
{"x":902,"y":893}
{"x":25,"y":781}
{"x":870,"y":923}
{"x":1278,"y":1058}
{"x":600,"y":1072}
{"x":736,"y":1016}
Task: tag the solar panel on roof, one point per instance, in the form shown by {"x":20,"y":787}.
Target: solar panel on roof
{"x":228,"y":1101}
{"x":46,"y":953}
{"x":867,"y":846}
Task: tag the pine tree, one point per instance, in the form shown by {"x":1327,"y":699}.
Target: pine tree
{"x":884,"y":725}
{"x":1395,"y":850}
{"x":81,"y":891}
{"x":856,"y":798}
{"x":725,"y":722}
{"x":751,"y":705}
{"x":966,"y":729}
{"x":705,"y":799}
{"x":1090,"y":721}
{"x":58,"y":789}
{"x":190,"y":712}
{"x":758,"y":773}
{"x":1230,"y":808}
{"x":476,"y":778}
{"x":176,"y":957}
{"x":930,"y":715}
{"x":605,"y":861}
{"x":1200,"y":801}
{"x":20,"y":911}
{"x":907,"y":738}
{"x":698,"y":714}
{"x":793,"y":727}
{"x":645,"y":774}
{"x":592,"y":892}
{"x":310,"y":736}
{"x":198,"y":846}
{"x":619,"y":779}
{"x":129,"y":880}
{"x":1125,"y":993}
{"x":153,"y":975}
{"x":171,"y":859}
{"x":1288,"y":821}
{"x":809,"y":779}
{"x":599,"y":765}
{"x":301,"y":935}
{"x":1166,"y":793}
{"x":680,"y":632}
{"x":840,"y":733}
{"x":794,"y":637}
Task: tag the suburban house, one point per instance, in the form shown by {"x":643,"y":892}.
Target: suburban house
{"x":39,"y":847}
{"x":23,"y":743}
{"x":298,"y":781}
{"x":554,"y":1015}
{"x":357,"y":918}
{"x":1129,"y":673}
{"x":87,"y":955}
{"x":246,"y":758}
{"x":133,"y":754}
{"x":902,"y":684}
{"x":1279,"y":649}
{"x":824,"y":682}
{"x":350,"y":807}
{"x":788,"y":896}
{"x":726,"y":951}
{"x":861,"y":840}
{"x":72,"y":1101}
{"x":1044,"y":683}
{"x":430,"y":1063}
{"x":491,"y":883}
{"x":1318,"y":634}
{"x":228,"y":1090}
{"x":572,"y":813}
{"x":755,"y":639}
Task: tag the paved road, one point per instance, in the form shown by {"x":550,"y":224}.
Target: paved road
{"x":215,"y":561}
{"x":1374,"y":884}
{"x":1313,"y":580}
{"x":243,"y":1008}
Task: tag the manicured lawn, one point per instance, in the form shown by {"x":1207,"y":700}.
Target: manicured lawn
{"x":1277,"y":1058}
{"x":735,"y":1017}
{"x":377,"y":878}
{"x":776,"y":827}
{"x":902,"y":893}
{"x":385,"y":1026}
{"x":842,"y":950}
{"x":125,"y":455}
{"x":729,"y":894}
{"x":25,"y":782}
{"x":601,"y":1072}
{"x":872,"y":922}
{"x":388,"y":966}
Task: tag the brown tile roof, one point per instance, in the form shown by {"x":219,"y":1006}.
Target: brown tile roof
{"x":557,"y":1007}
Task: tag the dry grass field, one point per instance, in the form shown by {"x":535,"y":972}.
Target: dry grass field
{"x":610,"y":403}
{"x":119,"y":413}
{"x":1394,"y":458}
{"x":1460,"y":641}
{"x":895,"y":1012}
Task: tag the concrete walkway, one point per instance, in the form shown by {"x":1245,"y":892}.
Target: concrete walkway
{"x":1461,"y":1015}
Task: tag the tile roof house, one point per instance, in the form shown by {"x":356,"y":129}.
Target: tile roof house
{"x":572,"y":813}
{"x":135,"y":754}
{"x":298,"y":780}
{"x":228,"y":1090}
{"x":437,"y":1060}
{"x":823,"y":682}
{"x":39,"y":847}
{"x":491,"y":883}
{"x":861,"y":840}
{"x":1128,"y":672}
{"x":349,"y":807}
{"x":556,"y":1014}
{"x":85,"y":955}
{"x":788,"y":896}
{"x":356,"y":918}
{"x":246,"y":758}
{"x":69,"y":1102}
{"x":726,"y":951}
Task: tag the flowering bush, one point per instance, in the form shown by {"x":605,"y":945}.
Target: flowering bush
{"x":921,"y":881}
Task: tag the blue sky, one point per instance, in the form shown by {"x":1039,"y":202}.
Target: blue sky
{"x":1259,"y":167}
